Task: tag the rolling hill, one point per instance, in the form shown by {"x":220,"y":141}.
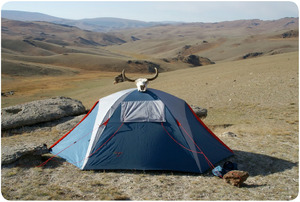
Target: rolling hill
{"x":217,"y":41}
{"x":104,"y":24}
{"x":37,"y":48}
{"x":43,"y":43}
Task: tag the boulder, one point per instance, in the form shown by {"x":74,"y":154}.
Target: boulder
{"x":195,"y":60}
{"x":236,"y":177}
{"x":133,"y":38}
{"x":142,"y":66}
{"x":61,"y":125}
{"x":252,"y":55}
{"x":40,"y":111}
{"x":200,"y":112}
{"x":10,"y":154}
{"x":290,"y":34}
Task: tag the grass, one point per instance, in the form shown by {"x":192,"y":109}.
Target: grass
{"x":263,"y":112}
{"x":273,"y":176}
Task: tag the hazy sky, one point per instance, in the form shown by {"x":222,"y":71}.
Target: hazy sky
{"x":184,"y":11}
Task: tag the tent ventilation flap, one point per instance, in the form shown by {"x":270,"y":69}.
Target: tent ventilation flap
{"x":143,"y":111}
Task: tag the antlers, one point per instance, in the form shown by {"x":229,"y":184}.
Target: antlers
{"x":141,"y":83}
{"x":125,"y":78}
{"x":155,"y":76}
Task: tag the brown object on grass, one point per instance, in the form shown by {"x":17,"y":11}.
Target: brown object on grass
{"x":236,"y":177}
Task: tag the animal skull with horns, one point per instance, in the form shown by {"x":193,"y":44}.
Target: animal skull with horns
{"x":141,"y":83}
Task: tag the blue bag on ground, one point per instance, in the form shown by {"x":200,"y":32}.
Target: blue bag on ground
{"x":218,"y":171}
{"x":228,"y":166}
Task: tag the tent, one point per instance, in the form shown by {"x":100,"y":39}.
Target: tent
{"x":132,"y":130}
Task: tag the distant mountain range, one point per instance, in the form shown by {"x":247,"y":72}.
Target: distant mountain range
{"x":94,"y":24}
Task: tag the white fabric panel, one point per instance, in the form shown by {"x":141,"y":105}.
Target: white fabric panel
{"x":143,"y":111}
{"x":105,"y":105}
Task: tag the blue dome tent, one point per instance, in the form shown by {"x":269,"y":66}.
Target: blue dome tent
{"x":134,"y":130}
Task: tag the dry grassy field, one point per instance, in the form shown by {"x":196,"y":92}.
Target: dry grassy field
{"x":257,"y":99}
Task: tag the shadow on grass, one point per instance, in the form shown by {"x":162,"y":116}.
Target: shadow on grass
{"x":53,"y":162}
{"x":260,"y":164}
{"x":252,"y":185}
{"x":30,"y":161}
{"x":254,"y":163}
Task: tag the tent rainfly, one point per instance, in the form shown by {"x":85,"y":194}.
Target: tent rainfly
{"x":130,"y":130}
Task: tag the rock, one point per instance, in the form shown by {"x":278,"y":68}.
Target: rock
{"x":166,"y":60}
{"x":10,"y":154}
{"x":143,"y":66}
{"x":61,"y":125}
{"x":5,"y":94}
{"x":134,"y":38}
{"x":40,"y":111}
{"x":228,"y":134}
{"x":290,"y":34}
{"x":252,"y":55}
{"x":200,"y":112}
{"x":193,"y":59}
{"x":197,"y":61}
{"x":236,"y":177}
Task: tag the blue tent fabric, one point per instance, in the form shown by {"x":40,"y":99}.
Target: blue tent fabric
{"x":74,"y":146}
{"x":172,"y":139}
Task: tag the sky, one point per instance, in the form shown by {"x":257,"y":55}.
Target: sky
{"x":182,"y":11}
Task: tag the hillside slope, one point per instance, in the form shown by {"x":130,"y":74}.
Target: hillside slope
{"x":30,"y":45}
{"x":46,"y":49}
{"x":104,"y":24}
{"x":62,"y":35}
{"x":217,"y":41}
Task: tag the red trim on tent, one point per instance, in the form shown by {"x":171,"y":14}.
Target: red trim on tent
{"x":178,"y":142}
{"x":74,"y":126}
{"x":107,"y":140}
{"x":179,"y":124}
{"x":208,"y":129}
{"x":106,"y":122}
